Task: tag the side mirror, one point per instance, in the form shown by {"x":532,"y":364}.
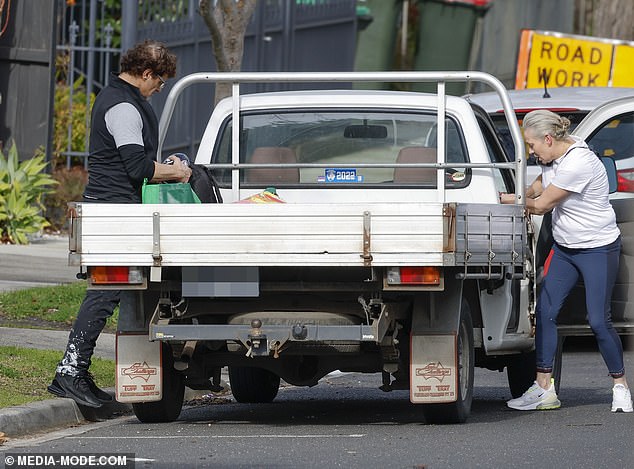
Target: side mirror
{"x":610,"y":168}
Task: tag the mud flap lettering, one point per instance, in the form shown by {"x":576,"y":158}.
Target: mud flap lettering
{"x":138,"y":372}
{"x":433,"y":370}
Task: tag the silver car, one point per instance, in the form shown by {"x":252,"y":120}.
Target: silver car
{"x":615,"y":138}
{"x":604,"y":118}
{"x":609,"y":129}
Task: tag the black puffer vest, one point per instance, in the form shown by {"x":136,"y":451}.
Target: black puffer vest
{"x":108,"y":180}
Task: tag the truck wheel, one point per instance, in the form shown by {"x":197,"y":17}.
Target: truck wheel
{"x":253,"y":385}
{"x":169,"y":407}
{"x":520,"y":371}
{"x":457,"y":412}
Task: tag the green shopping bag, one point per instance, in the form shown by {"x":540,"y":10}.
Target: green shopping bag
{"x":168,"y":193}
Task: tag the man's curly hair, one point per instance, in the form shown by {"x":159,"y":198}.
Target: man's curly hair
{"x":151,"y":55}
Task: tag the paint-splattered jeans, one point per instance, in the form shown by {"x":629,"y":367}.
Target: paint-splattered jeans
{"x":598,"y":268}
{"x":98,"y":305}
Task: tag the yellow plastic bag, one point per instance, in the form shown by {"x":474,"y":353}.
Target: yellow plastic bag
{"x":267,"y":196}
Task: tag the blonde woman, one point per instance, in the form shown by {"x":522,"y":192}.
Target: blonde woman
{"x":574,"y":186}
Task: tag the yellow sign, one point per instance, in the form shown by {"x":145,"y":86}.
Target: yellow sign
{"x":565,"y":60}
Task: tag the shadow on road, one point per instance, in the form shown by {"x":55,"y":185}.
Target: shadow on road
{"x":363,"y":406}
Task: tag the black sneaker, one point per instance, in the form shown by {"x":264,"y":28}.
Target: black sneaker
{"x":55,"y":389}
{"x":78,"y":388}
{"x":99,"y":393}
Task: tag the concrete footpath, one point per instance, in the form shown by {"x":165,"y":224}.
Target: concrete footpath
{"x":44,"y":262}
{"x":41,"y":263}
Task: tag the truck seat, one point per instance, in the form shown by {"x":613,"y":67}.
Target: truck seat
{"x":416,"y":175}
{"x":273,"y":176}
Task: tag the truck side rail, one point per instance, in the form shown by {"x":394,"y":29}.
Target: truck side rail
{"x":441,"y":78}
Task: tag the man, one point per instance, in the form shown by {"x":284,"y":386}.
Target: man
{"x":123,"y":144}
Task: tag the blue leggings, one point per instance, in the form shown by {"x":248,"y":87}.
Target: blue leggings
{"x":598,"y":268}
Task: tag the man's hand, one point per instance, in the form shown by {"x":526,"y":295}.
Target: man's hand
{"x":180,"y":164}
{"x":177,"y":170}
{"x":185,"y":171}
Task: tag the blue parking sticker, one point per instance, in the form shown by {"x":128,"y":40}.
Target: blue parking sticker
{"x":340,"y":175}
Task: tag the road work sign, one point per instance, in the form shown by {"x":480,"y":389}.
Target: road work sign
{"x":563,"y":60}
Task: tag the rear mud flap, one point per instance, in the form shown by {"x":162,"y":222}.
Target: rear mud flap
{"x":433,"y":369}
{"x":138,"y":371}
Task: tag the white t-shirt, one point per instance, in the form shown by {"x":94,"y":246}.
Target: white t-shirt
{"x":585,"y":219}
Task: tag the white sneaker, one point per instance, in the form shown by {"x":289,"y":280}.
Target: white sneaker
{"x":536,"y":398}
{"x":621,"y":399}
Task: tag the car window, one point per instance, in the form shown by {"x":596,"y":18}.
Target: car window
{"x":615,"y":138}
{"x":504,"y":179}
{"x":503,"y":129}
{"x":341,"y":140}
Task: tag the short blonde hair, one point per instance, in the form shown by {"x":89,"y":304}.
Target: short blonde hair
{"x":543,"y":122}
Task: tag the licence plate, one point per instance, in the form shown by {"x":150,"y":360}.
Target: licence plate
{"x":342,"y":175}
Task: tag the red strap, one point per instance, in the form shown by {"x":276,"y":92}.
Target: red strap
{"x":547,"y":263}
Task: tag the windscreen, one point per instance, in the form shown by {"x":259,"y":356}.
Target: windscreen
{"x":338,"y":142}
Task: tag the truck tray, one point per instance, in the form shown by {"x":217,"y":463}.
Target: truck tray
{"x":373,"y":234}
{"x":259,"y":234}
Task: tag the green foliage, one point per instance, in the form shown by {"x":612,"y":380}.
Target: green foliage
{"x":22,"y":187}
{"x":111,"y":19}
{"x":72,"y":110}
{"x":70,"y":188}
{"x":74,"y":115}
{"x":167,"y":12}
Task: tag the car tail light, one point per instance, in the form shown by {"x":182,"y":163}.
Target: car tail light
{"x":625,"y":178}
{"x":427,"y":275}
{"x":115,"y":275}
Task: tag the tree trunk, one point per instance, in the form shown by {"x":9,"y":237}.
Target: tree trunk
{"x":612,"y":19}
{"x":227,"y":21}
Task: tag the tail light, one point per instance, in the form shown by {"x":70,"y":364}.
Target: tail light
{"x":115,"y":275}
{"x":423,"y":276}
{"x":625,"y":179}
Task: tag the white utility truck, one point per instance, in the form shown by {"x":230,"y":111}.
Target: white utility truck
{"x":391,"y":253}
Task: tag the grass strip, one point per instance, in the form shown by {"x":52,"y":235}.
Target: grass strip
{"x":25,"y":374}
{"x":51,"y":306}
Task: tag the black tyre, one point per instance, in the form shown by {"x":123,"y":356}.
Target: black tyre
{"x":169,"y":407}
{"x":253,"y":385}
{"x":458,"y":412}
{"x":520,"y":371}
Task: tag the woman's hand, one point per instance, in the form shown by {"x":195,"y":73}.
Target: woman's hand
{"x":506,"y":198}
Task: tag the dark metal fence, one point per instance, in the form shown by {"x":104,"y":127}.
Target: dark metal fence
{"x":284,"y":35}
{"x":26,"y":82}
{"x":86,"y":54}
